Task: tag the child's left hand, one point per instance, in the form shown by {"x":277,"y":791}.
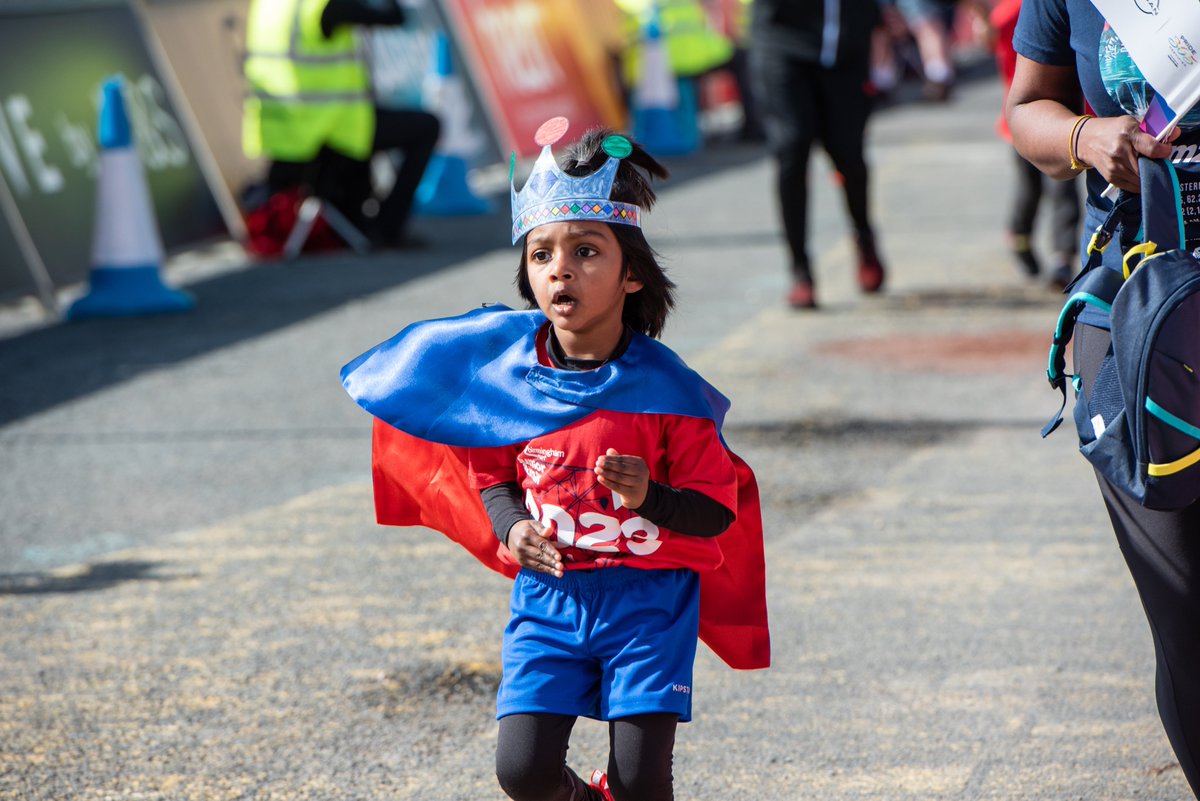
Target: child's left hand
{"x":626,"y":476}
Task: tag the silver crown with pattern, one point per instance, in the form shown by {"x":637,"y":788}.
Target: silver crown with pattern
{"x":550,"y":195}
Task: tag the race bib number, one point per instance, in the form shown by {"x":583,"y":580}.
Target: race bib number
{"x":595,"y":531}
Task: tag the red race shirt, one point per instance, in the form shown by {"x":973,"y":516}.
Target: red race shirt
{"x":556,"y":472}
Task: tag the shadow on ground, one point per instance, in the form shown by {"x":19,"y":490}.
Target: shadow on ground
{"x":90,"y":579}
{"x":53,"y":365}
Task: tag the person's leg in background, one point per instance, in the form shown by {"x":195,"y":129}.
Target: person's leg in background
{"x":751,"y":129}
{"x":842,"y":110}
{"x":273,"y":206}
{"x":344,"y":182}
{"x":1026,"y":199}
{"x":925,"y":21}
{"x":1065,"y":216}
{"x":329,"y":175}
{"x":886,"y":70}
{"x":785,"y":92}
{"x":285,"y":175}
{"x":414,"y":134}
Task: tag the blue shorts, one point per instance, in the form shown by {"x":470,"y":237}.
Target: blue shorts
{"x":604,"y":644}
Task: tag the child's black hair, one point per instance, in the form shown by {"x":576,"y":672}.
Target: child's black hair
{"x":645,"y":310}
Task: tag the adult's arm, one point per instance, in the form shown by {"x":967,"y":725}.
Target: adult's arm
{"x":1043,"y":107}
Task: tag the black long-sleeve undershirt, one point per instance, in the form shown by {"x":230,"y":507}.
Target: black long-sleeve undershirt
{"x":685,"y":511}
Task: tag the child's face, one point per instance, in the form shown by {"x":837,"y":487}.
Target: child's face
{"x":577,"y":273}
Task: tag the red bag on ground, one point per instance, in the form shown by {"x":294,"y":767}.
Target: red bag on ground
{"x":269,"y":224}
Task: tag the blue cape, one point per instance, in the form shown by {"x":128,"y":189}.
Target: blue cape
{"x":474,"y":381}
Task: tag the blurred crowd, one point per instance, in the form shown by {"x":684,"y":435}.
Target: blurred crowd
{"x":791,"y":75}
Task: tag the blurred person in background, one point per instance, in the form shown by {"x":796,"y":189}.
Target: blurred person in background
{"x":886,"y":70}
{"x":694,"y":44}
{"x":605,"y":22}
{"x":930,"y":22}
{"x":811,"y":63}
{"x":735,"y":19}
{"x":310,"y":109}
{"x":1032,"y":187}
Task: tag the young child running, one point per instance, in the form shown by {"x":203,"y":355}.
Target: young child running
{"x":593,"y":455}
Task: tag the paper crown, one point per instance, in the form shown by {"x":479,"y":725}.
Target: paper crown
{"x":550,"y":195}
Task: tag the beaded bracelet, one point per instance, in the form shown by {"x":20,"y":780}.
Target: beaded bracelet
{"x":1073,"y":143}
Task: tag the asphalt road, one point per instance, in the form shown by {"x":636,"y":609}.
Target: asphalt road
{"x":195,"y":602}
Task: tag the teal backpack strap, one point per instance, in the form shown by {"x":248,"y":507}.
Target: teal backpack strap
{"x":1161,"y":230}
{"x":1095,"y":286}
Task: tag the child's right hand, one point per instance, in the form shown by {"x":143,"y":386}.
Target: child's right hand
{"x":528,"y":540}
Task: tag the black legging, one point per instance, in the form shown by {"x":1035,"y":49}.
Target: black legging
{"x":531,"y":758}
{"x":414,"y":133}
{"x":803,"y":103}
{"x":1162,"y":550}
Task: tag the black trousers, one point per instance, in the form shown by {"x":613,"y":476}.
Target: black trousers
{"x":531,"y":758}
{"x":346,"y":182}
{"x":414,"y":134}
{"x":1162,"y":550}
{"x":1063,"y":196}
{"x":803,"y":103}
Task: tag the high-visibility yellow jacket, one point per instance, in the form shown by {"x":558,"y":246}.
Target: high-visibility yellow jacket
{"x":304,"y":90}
{"x":693,"y":45}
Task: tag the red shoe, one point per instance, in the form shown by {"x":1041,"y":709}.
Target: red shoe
{"x":801,"y":296}
{"x":599,"y":781}
{"x":870,"y":272}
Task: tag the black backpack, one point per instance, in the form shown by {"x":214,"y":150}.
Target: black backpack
{"x":1140,"y":425}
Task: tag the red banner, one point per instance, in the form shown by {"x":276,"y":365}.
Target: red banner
{"x":531,"y":60}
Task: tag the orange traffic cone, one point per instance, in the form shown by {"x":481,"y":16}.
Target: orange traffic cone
{"x":126,"y":245}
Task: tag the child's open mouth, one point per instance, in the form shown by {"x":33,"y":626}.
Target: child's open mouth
{"x":562,"y":302}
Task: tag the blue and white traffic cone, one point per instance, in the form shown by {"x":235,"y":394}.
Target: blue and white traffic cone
{"x":126,"y":245}
{"x":665,"y":118}
{"x":444,"y":191}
